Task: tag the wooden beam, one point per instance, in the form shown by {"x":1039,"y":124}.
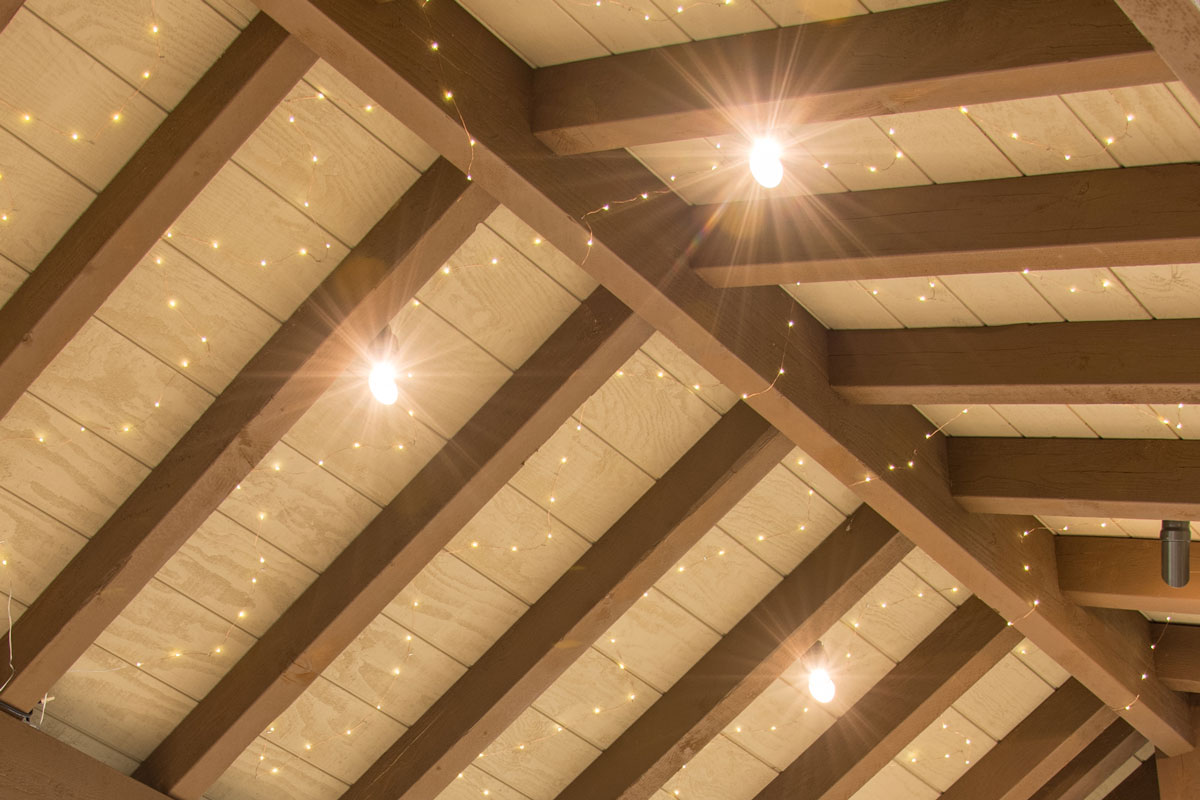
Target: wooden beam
{"x":1132,"y":478}
{"x":1043,"y":743}
{"x":1178,"y":777}
{"x":1122,"y":573}
{"x":326,"y":334}
{"x":899,"y":707}
{"x":910,"y":59}
{"x":1177,"y":655}
{"x":36,"y":766}
{"x":161,"y":179}
{"x":8,"y":10}
{"x":1128,"y":361}
{"x":1142,"y":784}
{"x":757,"y":651}
{"x":637,"y":250}
{"x":1100,"y":759}
{"x":1173,"y":28}
{"x":1101,"y":218}
{"x":570,"y":366}
{"x":603,"y":584}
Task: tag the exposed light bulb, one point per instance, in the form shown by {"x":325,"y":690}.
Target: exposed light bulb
{"x":820,"y":685}
{"x":765,"y":163}
{"x":383,"y":383}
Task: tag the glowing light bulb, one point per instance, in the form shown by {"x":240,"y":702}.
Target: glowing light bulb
{"x":383,"y":383}
{"x":765,"y":163}
{"x":820,"y":685}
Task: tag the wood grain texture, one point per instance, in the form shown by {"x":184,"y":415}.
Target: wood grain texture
{"x":144,"y":198}
{"x":1178,"y":777}
{"x":984,"y":52}
{"x":1134,"y":478}
{"x":1133,"y":361}
{"x":288,"y":374}
{"x":756,"y":652}
{"x":1173,"y":28}
{"x":737,"y":336}
{"x":1142,"y":784}
{"x":1122,"y":573}
{"x":1042,"y":222}
{"x":1087,"y":771}
{"x":396,"y":545}
{"x":901,"y":705}
{"x":1177,"y":655}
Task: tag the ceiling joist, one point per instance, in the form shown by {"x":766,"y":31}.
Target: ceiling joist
{"x":1173,"y":28}
{"x":1177,"y":655}
{"x":1142,"y":784}
{"x":1122,"y":573}
{"x":1100,"y":759}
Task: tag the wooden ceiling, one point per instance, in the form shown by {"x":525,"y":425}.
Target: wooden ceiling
{"x":664,"y":439}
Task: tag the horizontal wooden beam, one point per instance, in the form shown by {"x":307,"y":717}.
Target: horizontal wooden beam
{"x":36,"y":766}
{"x":537,"y":399}
{"x":1177,"y":654}
{"x":757,"y":651}
{"x":1133,"y":478}
{"x":1101,"y":218}
{"x":1122,"y":573}
{"x":1178,"y":777}
{"x":1142,"y":784}
{"x":1127,"y":361}
{"x":325,"y":335}
{"x":899,"y":707}
{"x":158,"y":182}
{"x":1099,"y":760}
{"x":1173,"y":28}
{"x":910,"y":59}
{"x":1034,"y":751}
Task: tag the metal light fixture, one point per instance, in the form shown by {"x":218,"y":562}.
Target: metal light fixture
{"x":1176,"y":536}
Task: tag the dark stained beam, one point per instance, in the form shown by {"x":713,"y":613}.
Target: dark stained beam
{"x":603,"y":584}
{"x":1042,"y":744}
{"x":1133,"y":478}
{"x":397,"y":544}
{"x":902,"y":704}
{"x":739,"y":336}
{"x":911,"y":59}
{"x":36,"y":766}
{"x":1100,"y":759}
{"x":161,"y":179}
{"x":758,"y":650}
{"x":1173,"y":28}
{"x":1122,"y":573}
{"x":325,"y":335}
{"x":1177,"y":654}
{"x":1142,"y":784}
{"x":1129,"y":361}
{"x":1101,"y":218}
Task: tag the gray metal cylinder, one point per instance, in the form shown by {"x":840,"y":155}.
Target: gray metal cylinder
{"x":1176,"y":536}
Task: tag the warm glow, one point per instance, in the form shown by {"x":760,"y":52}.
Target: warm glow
{"x":820,"y":685}
{"x":383,"y":383}
{"x":765,"y":163}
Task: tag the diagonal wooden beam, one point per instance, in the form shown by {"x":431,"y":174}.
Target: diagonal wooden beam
{"x":8,"y":10}
{"x":910,"y":59}
{"x":1142,"y":784}
{"x":758,"y":650}
{"x":1122,"y":573}
{"x":1133,"y":478}
{"x":604,"y":583}
{"x":570,"y":366}
{"x":1100,"y":759}
{"x":902,"y":704}
{"x":35,"y":766}
{"x":161,"y":179}
{"x":325,"y":335}
{"x":1042,"y":744}
{"x":1177,"y":655}
{"x":1100,"y":218}
{"x":1129,"y":361}
{"x":1173,"y":28}
{"x":637,"y":251}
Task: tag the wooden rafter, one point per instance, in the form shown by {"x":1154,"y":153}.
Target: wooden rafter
{"x":326,"y":334}
{"x":1127,"y":361}
{"x":144,"y":198}
{"x":757,"y":651}
{"x":1142,"y":784}
{"x":910,"y":59}
{"x":1177,"y":655}
{"x":1178,"y":777}
{"x":900,"y":706}
{"x":1133,"y":478}
{"x":1173,"y":28}
{"x":1122,"y":573}
{"x":1100,"y":759}
{"x":1100,"y":218}
{"x":8,"y":10}
{"x":1042,"y":744}
{"x":397,"y":544}
{"x":658,"y":530}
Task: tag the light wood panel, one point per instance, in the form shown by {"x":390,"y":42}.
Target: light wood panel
{"x":1173,"y":28}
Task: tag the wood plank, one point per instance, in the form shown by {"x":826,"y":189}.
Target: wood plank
{"x":1135,"y":478}
{"x":738,"y":337}
{"x":904,"y":702}
{"x":1087,"y":771}
{"x":757,"y":651}
{"x":1177,"y":655}
{"x":9,"y":9}
{"x":1125,"y":361}
{"x":985,"y":52}
{"x":1173,"y":28}
{"x":606,"y":581}
{"x":1142,"y":784}
{"x":1178,"y":777}
{"x":1121,"y":573}
{"x":288,"y":374}
{"x":397,"y":544}
{"x":1098,"y":218}
{"x":1046,"y":741}
{"x":145,"y":197}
